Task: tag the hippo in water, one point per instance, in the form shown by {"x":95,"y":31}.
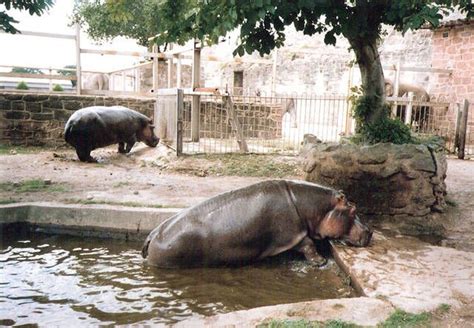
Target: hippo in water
{"x":248,"y":224}
{"x":99,"y":126}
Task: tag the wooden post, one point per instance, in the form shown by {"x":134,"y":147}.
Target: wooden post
{"x":178,"y":70}
{"x":396,"y":87}
{"x":78,"y":60}
{"x":234,"y":120}
{"x":156,"y":78}
{"x":179,"y":122}
{"x":348,"y":123}
{"x":274,"y":71}
{"x":463,"y":129}
{"x":196,"y":103}
{"x":458,"y":126}
{"x":409,"y":108}
{"x":50,"y":72}
{"x":124,"y":81}
{"x":137,"y":80}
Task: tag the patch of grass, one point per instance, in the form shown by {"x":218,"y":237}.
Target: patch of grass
{"x":107,"y":202}
{"x":33,"y":185}
{"x":401,"y":318}
{"x":443,"y":308}
{"x":13,"y":150}
{"x":290,"y":324}
{"x":8,"y":201}
{"x":121,"y":184}
{"x":451,"y":202}
{"x":251,"y":165}
{"x":302,"y":323}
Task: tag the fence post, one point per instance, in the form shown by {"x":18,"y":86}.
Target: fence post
{"x":78,"y":60}
{"x":463,"y":129}
{"x":178,"y":70}
{"x":156,"y":78}
{"x":179,"y":122}
{"x":396,"y":88}
{"x":195,"y":107}
{"x":409,"y":109}
{"x":50,"y":72}
{"x":457,"y":126}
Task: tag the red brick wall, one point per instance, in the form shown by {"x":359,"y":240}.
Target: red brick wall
{"x":453,"y":48}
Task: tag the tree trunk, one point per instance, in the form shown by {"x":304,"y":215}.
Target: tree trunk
{"x":371,"y":71}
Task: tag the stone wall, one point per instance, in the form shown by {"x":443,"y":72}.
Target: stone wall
{"x":453,"y":48}
{"x":384,"y":180}
{"x":39,"y":119}
{"x":258,"y":120}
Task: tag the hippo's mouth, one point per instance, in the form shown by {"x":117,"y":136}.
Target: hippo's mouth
{"x":362,"y":242}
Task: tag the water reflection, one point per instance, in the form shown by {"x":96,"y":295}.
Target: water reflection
{"x":52,"y":280}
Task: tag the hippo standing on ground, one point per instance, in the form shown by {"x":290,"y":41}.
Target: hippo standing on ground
{"x":99,"y":126}
{"x":251,"y":223}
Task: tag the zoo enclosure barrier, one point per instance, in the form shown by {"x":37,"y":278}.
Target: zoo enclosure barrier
{"x":202,"y":122}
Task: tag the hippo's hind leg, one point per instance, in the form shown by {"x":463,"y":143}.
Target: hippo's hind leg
{"x":130,"y":144}
{"x":121,"y":147}
{"x":307,"y":247}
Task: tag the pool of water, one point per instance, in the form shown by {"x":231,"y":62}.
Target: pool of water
{"x":58,"y":279}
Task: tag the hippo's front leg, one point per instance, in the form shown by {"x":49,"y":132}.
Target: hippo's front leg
{"x":307,"y":247}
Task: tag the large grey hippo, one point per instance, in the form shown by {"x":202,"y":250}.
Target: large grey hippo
{"x":251,"y":223}
{"x":99,"y":126}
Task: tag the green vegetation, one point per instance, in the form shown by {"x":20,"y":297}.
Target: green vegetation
{"x":398,"y":319}
{"x":262,"y":26}
{"x":22,"y":86}
{"x":121,"y":184}
{"x":58,"y":88}
{"x":33,"y":7}
{"x":13,"y":150}
{"x":110,"y":202}
{"x":250,"y":165}
{"x":404,"y":319}
{"x":7,"y":201}
{"x":26,"y":70}
{"x":68,"y":72}
{"x":307,"y":324}
{"x":33,"y":185}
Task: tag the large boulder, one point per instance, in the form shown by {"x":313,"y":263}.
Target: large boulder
{"x":388,"y":182}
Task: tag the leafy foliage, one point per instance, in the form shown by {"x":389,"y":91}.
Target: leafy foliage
{"x":22,"y":86}
{"x":66,"y":72}
{"x":58,"y":88}
{"x":387,"y":130}
{"x":37,"y":7}
{"x":26,"y":70}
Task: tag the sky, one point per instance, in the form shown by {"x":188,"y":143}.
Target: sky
{"x":18,"y":50}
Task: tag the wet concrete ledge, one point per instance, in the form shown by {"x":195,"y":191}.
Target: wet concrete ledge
{"x":103,"y":221}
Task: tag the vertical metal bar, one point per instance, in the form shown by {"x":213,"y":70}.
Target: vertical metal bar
{"x":409,"y":109}
{"x":195,"y":108}
{"x":178,"y":71}
{"x":78,"y":60}
{"x":179,"y":121}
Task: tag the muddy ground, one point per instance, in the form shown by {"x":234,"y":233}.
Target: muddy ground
{"x":155,"y":177}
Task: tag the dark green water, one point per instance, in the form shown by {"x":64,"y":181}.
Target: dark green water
{"x":63,"y":280}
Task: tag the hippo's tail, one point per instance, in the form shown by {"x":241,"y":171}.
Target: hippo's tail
{"x":146,"y":244}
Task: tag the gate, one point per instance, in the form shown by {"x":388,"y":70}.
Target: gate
{"x":168,"y":118}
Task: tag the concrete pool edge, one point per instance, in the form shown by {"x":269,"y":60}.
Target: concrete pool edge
{"x":96,"y":220}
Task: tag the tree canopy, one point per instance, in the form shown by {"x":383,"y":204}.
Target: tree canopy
{"x":262,"y":24}
{"x":37,"y":7}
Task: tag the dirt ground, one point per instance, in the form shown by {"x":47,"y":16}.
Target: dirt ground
{"x":155,"y":177}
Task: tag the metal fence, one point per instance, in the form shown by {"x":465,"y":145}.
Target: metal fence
{"x":277,"y":124}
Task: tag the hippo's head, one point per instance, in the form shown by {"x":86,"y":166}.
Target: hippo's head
{"x":342,"y":223}
{"x":147,"y":135}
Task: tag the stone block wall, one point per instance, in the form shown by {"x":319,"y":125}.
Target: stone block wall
{"x":257,"y":120}
{"x":453,"y":48}
{"x":38,"y":119}
{"x":384,"y":180}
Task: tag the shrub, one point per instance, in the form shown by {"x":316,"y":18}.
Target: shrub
{"x":57,"y":87}
{"x":386,"y":130}
{"x":22,"y":86}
